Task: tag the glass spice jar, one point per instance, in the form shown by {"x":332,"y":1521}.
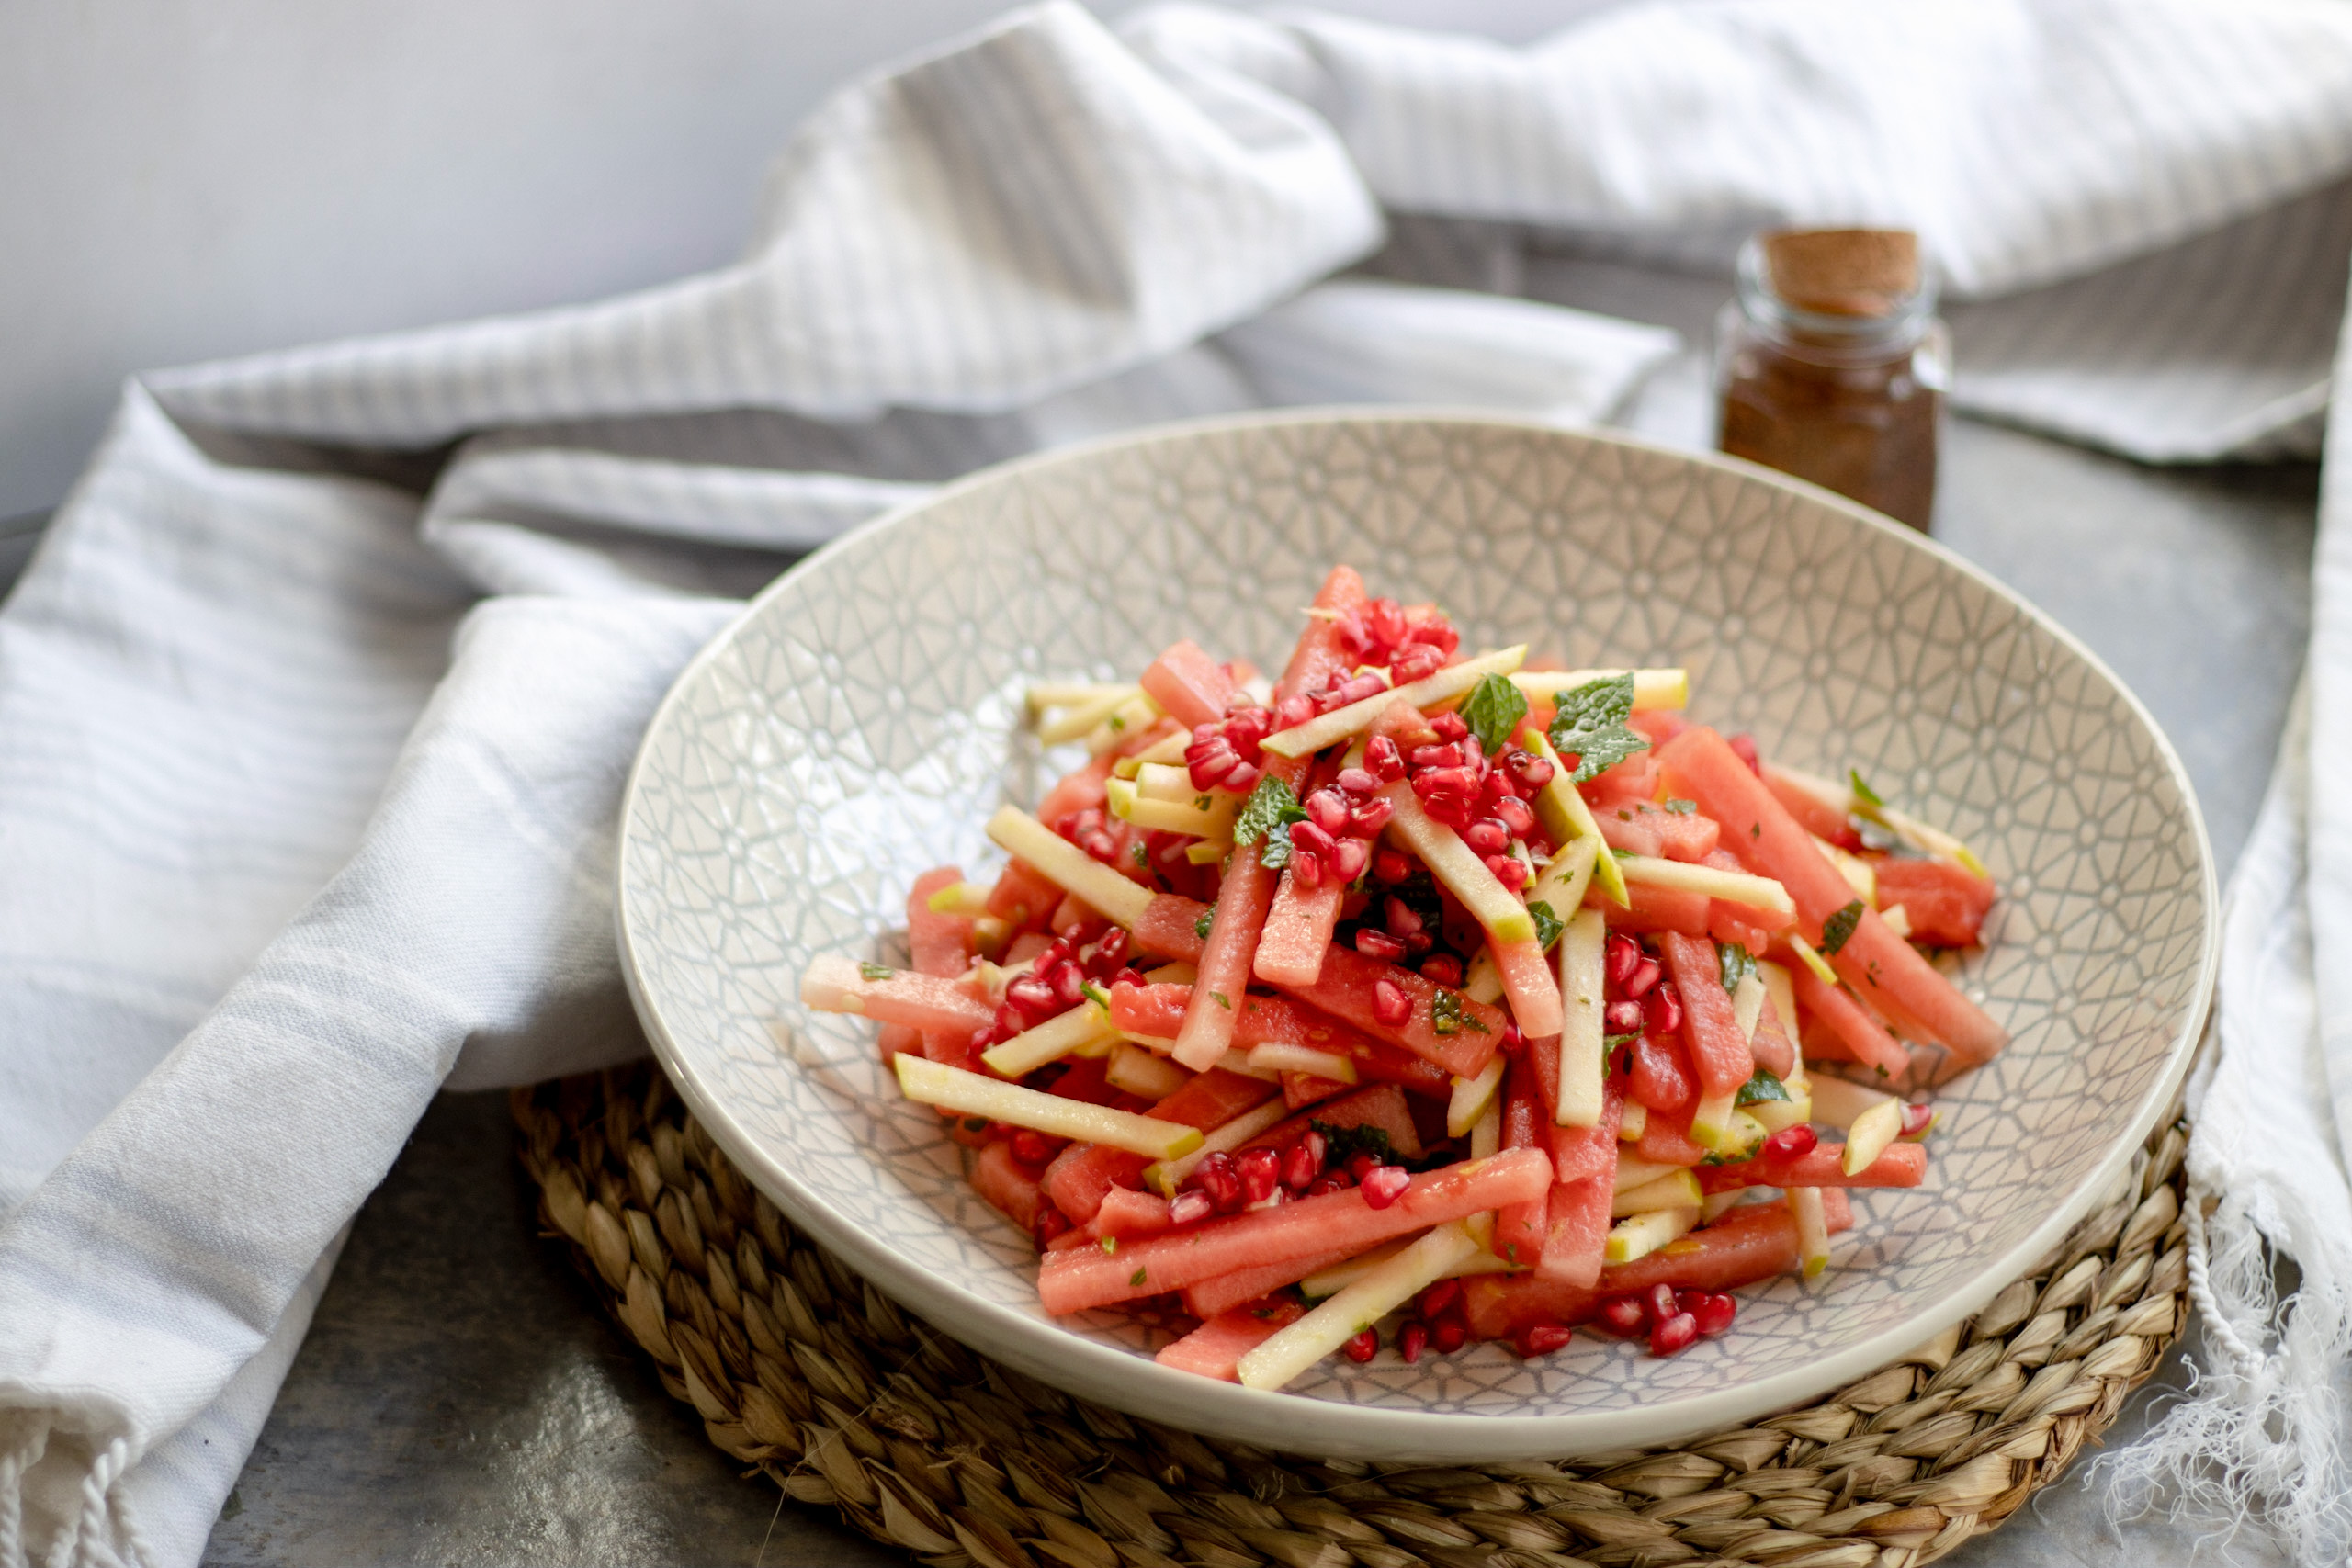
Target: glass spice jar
{"x":1831,"y":364}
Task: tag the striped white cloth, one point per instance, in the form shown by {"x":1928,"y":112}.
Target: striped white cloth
{"x":314,"y":705}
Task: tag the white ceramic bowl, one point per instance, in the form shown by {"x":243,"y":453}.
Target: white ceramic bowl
{"x":860,"y":722}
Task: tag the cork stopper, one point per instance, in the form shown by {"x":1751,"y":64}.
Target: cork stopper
{"x":1843,"y":272}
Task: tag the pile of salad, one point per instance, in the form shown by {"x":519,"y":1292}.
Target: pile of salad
{"x":1441,"y":993}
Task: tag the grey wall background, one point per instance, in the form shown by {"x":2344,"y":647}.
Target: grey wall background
{"x":187,"y":179}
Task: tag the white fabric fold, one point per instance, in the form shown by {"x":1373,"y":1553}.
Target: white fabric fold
{"x":288,"y":850}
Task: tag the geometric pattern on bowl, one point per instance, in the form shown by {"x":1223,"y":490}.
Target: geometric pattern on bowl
{"x":861,"y":720}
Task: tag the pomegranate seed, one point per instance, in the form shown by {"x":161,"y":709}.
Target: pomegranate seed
{"x":1508,"y":870}
{"x":1292,"y":712}
{"x":1674,"y":1335}
{"x":1390,"y":1005}
{"x":1441,"y":969}
{"x":1384,"y":619}
{"x":1055,"y":952}
{"x":1318,"y":1146}
{"x":1411,"y":1341}
{"x":1348,"y":858}
{"x":1528,"y":771}
{"x":1714,"y":1311}
{"x":1102,"y":846}
{"x":1033,"y":998}
{"x":1378,"y":945}
{"x":1366,"y":821}
{"x":1312,"y":838}
{"x":1362,"y":1348}
{"x":1513,"y":1038}
{"x":1212,"y":770}
{"x":981,"y":1040}
{"x":1385,"y":1184}
{"x":1385,"y":762}
{"x":1514,"y":814}
{"x":1436,"y":632}
{"x":1327,"y":809}
{"x":1050,"y":1223}
{"x":1448,"y":1335}
{"x":1191,"y":1207}
{"x":1260,"y":1170}
{"x":1391,"y":865}
{"x":1300,"y":1167}
{"x":1541,"y":1339}
{"x":1659,"y":1302}
{"x":1623,"y":1316}
{"x":1456,"y":785}
{"x":1623,"y":1016}
{"x":1306,"y":868}
{"x":1624,"y":954}
{"x":1487,"y":836}
{"x":1439,"y":1296}
{"x":1360,"y":687}
{"x":1791,"y":1143}
{"x":1742,"y":746}
{"x":1008,"y":1023}
{"x":1220,"y":1181}
{"x":1355,"y":635}
{"x":1130,"y":975}
{"x":1322,"y":1185}
{"x":1361,"y":1164}
{"x":1449,"y":727}
{"x":1110,"y":952}
{"x":1918,"y":1119}
{"x":1244,"y":779}
{"x":1646,"y":974}
{"x":1436,"y":757}
{"x":1068,"y":982}
{"x":1032,"y":1147}
{"x":1357,"y":781}
{"x":1416,"y":663}
{"x":1494,"y":789}
{"x":1399,"y":917}
{"x":1662,"y":1009}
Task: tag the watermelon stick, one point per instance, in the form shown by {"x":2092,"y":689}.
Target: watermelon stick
{"x":1212,"y":1350}
{"x":1086,"y":1277}
{"x":1847,"y":1019}
{"x":1299,"y":925}
{"x":1248,"y":890}
{"x":1898,"y":1165}
{"x":1871,"y":958}
{"x":1711,"y":1031}
{"x":833,"y":983}
{"x":1357,"y":1307}
{"x":1189,"y":685}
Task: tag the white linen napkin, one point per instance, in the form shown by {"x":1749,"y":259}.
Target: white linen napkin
{"x":308,"y":773}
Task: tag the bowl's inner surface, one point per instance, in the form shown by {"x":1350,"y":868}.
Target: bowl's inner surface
{"x":863,"y":722}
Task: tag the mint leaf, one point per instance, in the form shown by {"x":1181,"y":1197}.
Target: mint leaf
{"x":874,"y":971}
{"x":1268,"y":814}
{"x":1548,"y":926}
{"x":1201,"y":926}
{"x":1493,"y":710}
{"x":1735,"y":962}
{"x":1591,"y":724}
{"x":1763,"y":1086}
{"x":1679,"y":807}
{"x":1447,"y":1017}
{"x":1863,"y":792}
{"x":1840,"y":926}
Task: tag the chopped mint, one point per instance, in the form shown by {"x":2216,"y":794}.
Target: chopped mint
{"x":1679,"y":807}
{"x":1203,"y":801}
{"x":1735,"y":962}
{"x":1837,"y":928}
{"x":1548,"y":926}
{"x":1201,"y":926}
{"x":1135,"y":1278}
{"x":1095,"y":994}
{"x":1137,"y":853}
{"x":1493,"y":710}
{"x":876,"y":971}
{"x":1591,"y":724}
{"x":1221,"y":999}
{"x":1447,"y":1017}
{"x":1761,"y":1087}
{"x":1612,"y":1041}
{"x":1110,"y":1244}
{"x":1862,"y":792}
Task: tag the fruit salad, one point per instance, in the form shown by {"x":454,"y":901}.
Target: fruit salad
{"x":1422,"y":998}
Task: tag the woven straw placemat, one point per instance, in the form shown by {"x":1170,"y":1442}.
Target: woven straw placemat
{"x":803,"y":1370}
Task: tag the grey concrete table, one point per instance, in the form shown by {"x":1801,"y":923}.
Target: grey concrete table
{"x":460,"y":1398}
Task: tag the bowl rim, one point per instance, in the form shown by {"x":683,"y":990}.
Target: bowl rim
{"x":1293,"y":1423}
